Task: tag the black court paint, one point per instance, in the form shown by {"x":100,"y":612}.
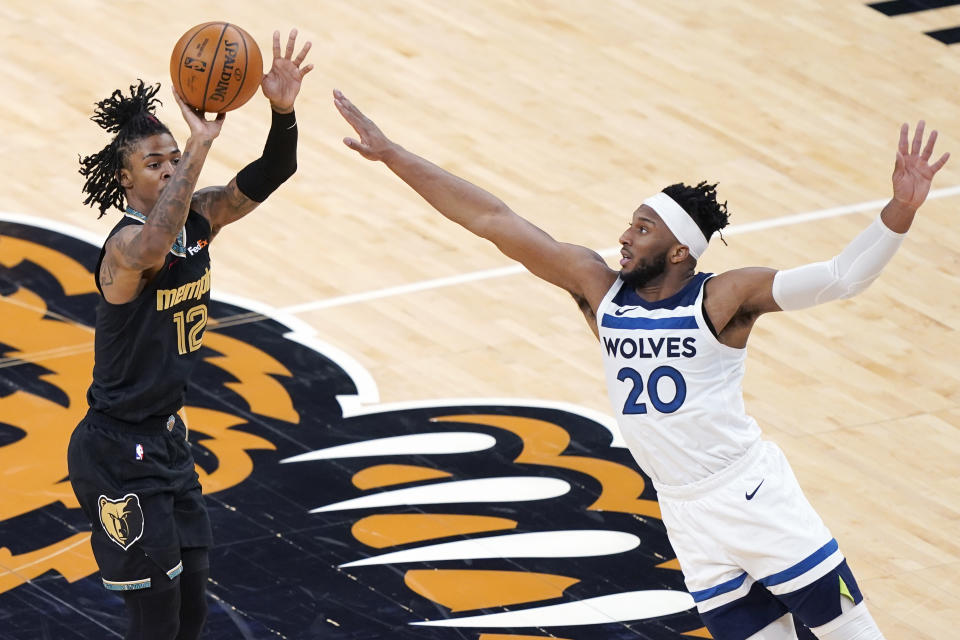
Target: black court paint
{"x":893,"y":8}
{"x":946,"y":36}
{"x":900,"y":7}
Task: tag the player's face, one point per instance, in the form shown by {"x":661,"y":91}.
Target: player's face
{"x":149,"y":166}
{"x":644,"y":247}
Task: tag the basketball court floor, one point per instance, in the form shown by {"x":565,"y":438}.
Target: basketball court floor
{"x":400,"y":432}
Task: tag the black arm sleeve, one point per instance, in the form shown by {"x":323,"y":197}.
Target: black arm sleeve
{"x":261,"y":177}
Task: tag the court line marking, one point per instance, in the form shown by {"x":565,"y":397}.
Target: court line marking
{"x":487,"y":274}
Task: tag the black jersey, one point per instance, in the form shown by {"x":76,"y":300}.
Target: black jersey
{"x":145,"y":349}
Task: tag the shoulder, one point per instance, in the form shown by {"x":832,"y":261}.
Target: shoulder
{"x":733,"y":300}
{"x":203,"y":200}
{"x":121,"y":234}
{"x":741,"y":284}
{"x":595,"y":277}
{"x":206,"y":204}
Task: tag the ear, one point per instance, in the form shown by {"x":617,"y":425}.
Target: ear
{"x":125,"y":178}
{"x":679,"y":253}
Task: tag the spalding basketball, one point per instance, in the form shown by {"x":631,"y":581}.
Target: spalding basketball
{"x":216,"y":66}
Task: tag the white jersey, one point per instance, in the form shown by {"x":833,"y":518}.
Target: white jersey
{"x":676,"y":390}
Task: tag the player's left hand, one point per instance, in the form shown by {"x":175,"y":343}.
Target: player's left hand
{"x":913,"y":173}
{"x":282,"y":83}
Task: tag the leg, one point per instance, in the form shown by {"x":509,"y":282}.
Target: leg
{"x":152,"y":615}
{"x":794,"y":556}
{"x":832,"y":606}
{"x":784,"y":628}
{"x":120,"y":538}
{"x":744,"y":610}
{"x":193,"y":593}
{"x":855,"y":624}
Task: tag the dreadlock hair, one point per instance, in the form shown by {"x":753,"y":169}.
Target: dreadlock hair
{"x":701,"y":203}
{"x":131,"y":119}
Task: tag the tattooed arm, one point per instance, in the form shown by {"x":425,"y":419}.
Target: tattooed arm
{"x":222,"y":205}
{"x":135,"y":253}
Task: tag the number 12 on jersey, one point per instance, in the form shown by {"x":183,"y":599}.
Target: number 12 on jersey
{"x":196,"y":319}
{"x":632,"y":406}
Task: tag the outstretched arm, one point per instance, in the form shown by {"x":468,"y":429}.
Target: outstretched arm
{"x":577,"y":269}
{"x":255,"y":182}
{"x":749,"y":292}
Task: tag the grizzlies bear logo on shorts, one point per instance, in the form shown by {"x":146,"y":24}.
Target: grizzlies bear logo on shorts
{"x":122,"y":519}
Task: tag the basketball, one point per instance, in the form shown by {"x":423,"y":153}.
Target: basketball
{"x":216,"y":66}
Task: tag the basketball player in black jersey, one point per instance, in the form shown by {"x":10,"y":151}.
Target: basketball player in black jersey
{"x":130,"y":465}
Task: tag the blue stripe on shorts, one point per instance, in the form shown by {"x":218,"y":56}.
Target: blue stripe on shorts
{"x":803,"y":566}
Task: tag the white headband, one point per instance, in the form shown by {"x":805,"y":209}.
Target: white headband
{"x":679,"y":222}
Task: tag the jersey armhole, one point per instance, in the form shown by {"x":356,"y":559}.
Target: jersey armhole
{"x":704,"y":323}
{"x":611,"y":292}
{"x":706,"y":318}
{"x":206,"y":220}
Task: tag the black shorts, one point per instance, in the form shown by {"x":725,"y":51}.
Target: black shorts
{"x":137,"y":485}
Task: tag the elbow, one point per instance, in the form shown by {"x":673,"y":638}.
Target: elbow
{"x":854,"y":288}
{"x":279,"y":172}
{"x":286,"y":170}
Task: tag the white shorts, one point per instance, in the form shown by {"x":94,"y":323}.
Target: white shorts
{"x":752,"y":548}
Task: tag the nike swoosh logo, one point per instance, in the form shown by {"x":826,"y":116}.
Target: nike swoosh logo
{"x":623,"y":310}
{"x":749,"y":496}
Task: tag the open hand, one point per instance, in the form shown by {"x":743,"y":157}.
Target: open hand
{"x":912,"y":173}
{"x":282,"y":83}
{"x":372,"y":144}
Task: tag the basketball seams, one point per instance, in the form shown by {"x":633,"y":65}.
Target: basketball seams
{"x":183,"y":55}
{"x":190,"y":38}
{"x":246,"y":62}
{"x":213,"y":58}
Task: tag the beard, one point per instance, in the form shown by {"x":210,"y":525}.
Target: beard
{"x":645,"y":271}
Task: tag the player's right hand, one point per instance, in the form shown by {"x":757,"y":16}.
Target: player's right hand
{"x":372,"y":145}
{"x":200,"y":127}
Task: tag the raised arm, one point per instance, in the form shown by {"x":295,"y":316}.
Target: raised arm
{"x":255,"y":182}
{"x":136,"y":250}
{"x":579,"y":270}
{"x":744,"y":294}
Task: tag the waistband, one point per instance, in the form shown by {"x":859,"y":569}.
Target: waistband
{"x":720,"y":478}
{"x":150,"y":426}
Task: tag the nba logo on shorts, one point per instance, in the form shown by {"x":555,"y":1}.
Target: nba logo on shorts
{"x":139,"y":452}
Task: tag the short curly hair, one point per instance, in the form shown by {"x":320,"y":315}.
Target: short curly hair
{"x":701,"y":203}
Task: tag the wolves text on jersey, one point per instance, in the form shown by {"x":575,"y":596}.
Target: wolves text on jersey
{"x":668,"y":347}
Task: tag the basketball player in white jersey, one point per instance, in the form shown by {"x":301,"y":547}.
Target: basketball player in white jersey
{"x":755,"y":555}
